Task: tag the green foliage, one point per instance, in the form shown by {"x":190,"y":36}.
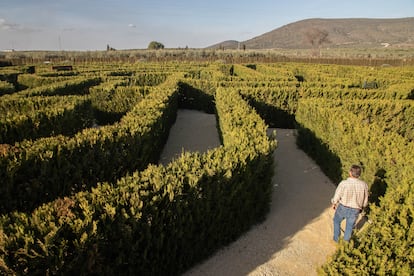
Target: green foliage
{"x":192,"y":97}
{"x":9,"y":76}
{"x":107,"y":210}
{"x":277,"y":105}
{"x":35,"y":117}
{"x":78,"y":86}
{"x":366,"y":144}
{"x":31,"y":80}
{"x":6,"y":87}
{"x":393,"y":116}
{"x":386,"y":247}
{"x":148,"y":79}
{"x":155,"y":222}
{"x":38,"y":171}
{"x":112,"y":99}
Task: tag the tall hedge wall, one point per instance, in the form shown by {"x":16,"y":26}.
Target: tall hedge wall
{"x":37,"y":171}
{"x":388,"y":164}
{"x":155,"y":222}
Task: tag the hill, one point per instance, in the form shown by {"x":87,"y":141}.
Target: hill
{"x":348,"y":32}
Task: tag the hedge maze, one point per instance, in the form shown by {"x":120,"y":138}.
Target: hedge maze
{"x":82,"y":192}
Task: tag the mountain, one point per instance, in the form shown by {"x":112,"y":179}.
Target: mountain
{"x":348,"y":32}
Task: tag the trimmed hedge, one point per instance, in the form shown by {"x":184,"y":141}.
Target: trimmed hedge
{"x":155,"y":222}
{"x":78,"y":86}
{"x":31,"y":80}
{"x":354,"y":141}
{"x":194,"y":96}
{"x":38,"y":171}
{"x":64,"y":115}
{"x":164,"y":219}
{"x":276,"y":105}
{"x":386,"y":246}
{"x":386,"y":157}
{"x":113,"y":99}
{"x":6,"y":88}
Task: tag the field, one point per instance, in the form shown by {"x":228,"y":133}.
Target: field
{"x":82,"y":191}
{"x":345,"y":56}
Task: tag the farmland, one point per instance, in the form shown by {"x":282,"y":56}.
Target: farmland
{"x":82,"y":191}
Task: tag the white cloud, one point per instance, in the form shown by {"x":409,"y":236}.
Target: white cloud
{"x":7,"y":26}
{"x":4,"y":25}
{"x":132,"y":26}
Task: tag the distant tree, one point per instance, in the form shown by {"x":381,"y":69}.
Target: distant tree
{"x":316,"y":37}
{"x":155,"y":45}
{"x":109,"y":48}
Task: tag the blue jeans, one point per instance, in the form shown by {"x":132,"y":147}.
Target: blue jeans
{"x":341,"y":213}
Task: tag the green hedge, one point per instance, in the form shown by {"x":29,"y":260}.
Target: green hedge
{"x":66,"y":115}
{"x":386,"y":247}
{"x":194,"y":95}
{"x":148,"y":79}
{"x":355,"y":141}
{"x":355,"y":82}
{"x":387,"y":160}
{"x":31,"y":81}
{"x":78,"y":86}
{"x":9,"y":75}
{"x":276,"y":105}
{"x":38,"y":171}
{"x":394,"y":116}
{"x":355,"y":93}
{"x":164,"y":219}
{"x":156,"y":222}
{"x":6,"y":88}
{"x":113,"y":99}
{"x":13,"y":104}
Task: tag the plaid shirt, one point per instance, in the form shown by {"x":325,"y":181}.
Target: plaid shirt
{"x":351,"y":192}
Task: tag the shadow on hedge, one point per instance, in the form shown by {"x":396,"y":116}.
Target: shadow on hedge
{"x":273,"y":116}
{"x":327,"y":160}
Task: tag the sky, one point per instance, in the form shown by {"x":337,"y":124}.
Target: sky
{"x":133,"y":24}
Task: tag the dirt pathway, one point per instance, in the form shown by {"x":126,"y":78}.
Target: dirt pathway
{"x":193,"y":131}
{"x":296,"y":236}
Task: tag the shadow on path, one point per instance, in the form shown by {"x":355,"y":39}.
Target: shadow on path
{"x":296,"y":236}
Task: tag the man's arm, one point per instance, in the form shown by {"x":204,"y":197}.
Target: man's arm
{"x":337,"y":195}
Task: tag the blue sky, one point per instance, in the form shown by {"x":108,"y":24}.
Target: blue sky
{"x":128,"y":24}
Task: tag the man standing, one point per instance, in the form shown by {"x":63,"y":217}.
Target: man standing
{"x":351,"y":196}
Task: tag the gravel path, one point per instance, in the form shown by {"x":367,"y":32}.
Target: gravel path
{"x":296,"y":237}
{"x":193,"y":131}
